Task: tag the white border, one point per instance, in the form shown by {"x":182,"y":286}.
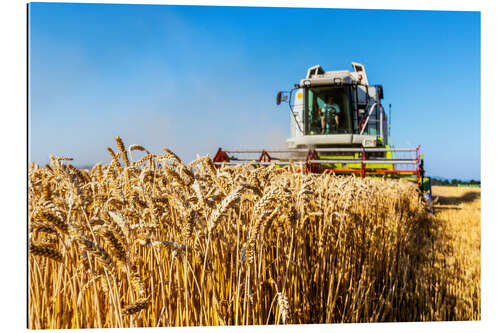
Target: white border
{"x":13,"y":218}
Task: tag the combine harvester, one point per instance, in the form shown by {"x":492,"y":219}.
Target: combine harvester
{"x":338,"y":125}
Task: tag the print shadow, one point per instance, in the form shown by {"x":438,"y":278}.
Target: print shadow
{"x":465,"y":198}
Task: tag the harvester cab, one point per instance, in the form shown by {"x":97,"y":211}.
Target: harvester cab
{"x":336,"y":109}
{"x":338,"y":125}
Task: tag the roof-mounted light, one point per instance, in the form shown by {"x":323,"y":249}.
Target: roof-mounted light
{"x":307,"y":83}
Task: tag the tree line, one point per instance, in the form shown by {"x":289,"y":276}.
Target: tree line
{"x":454,"y":182}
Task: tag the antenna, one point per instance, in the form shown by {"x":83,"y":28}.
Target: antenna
{"x":390,"y":119}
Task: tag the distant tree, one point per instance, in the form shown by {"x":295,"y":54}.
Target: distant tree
{"x":436,"y":181}
{"x":454,"y":182}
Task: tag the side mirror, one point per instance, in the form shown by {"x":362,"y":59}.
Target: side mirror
{"x":278,"y":98}
{"x":281,"y":98}
{"x":380,"y":91}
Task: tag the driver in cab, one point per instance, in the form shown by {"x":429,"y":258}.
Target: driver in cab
{"x":329,"y":110}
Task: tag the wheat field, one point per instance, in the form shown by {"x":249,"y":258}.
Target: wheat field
{"x":152,"y":241}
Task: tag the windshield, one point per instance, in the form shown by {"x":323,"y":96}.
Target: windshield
{"x":327,"y":111}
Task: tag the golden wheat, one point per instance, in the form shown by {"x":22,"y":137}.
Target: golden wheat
{"x":169,"y":244}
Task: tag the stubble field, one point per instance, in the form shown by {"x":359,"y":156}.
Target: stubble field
{"x":459,"y":211}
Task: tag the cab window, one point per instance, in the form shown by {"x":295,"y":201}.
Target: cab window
{"x":327,"y":111}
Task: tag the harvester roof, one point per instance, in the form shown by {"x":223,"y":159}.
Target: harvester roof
{"x":316,"y":76}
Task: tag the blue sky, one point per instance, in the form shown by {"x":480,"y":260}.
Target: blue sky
{"x":194,"y":78}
